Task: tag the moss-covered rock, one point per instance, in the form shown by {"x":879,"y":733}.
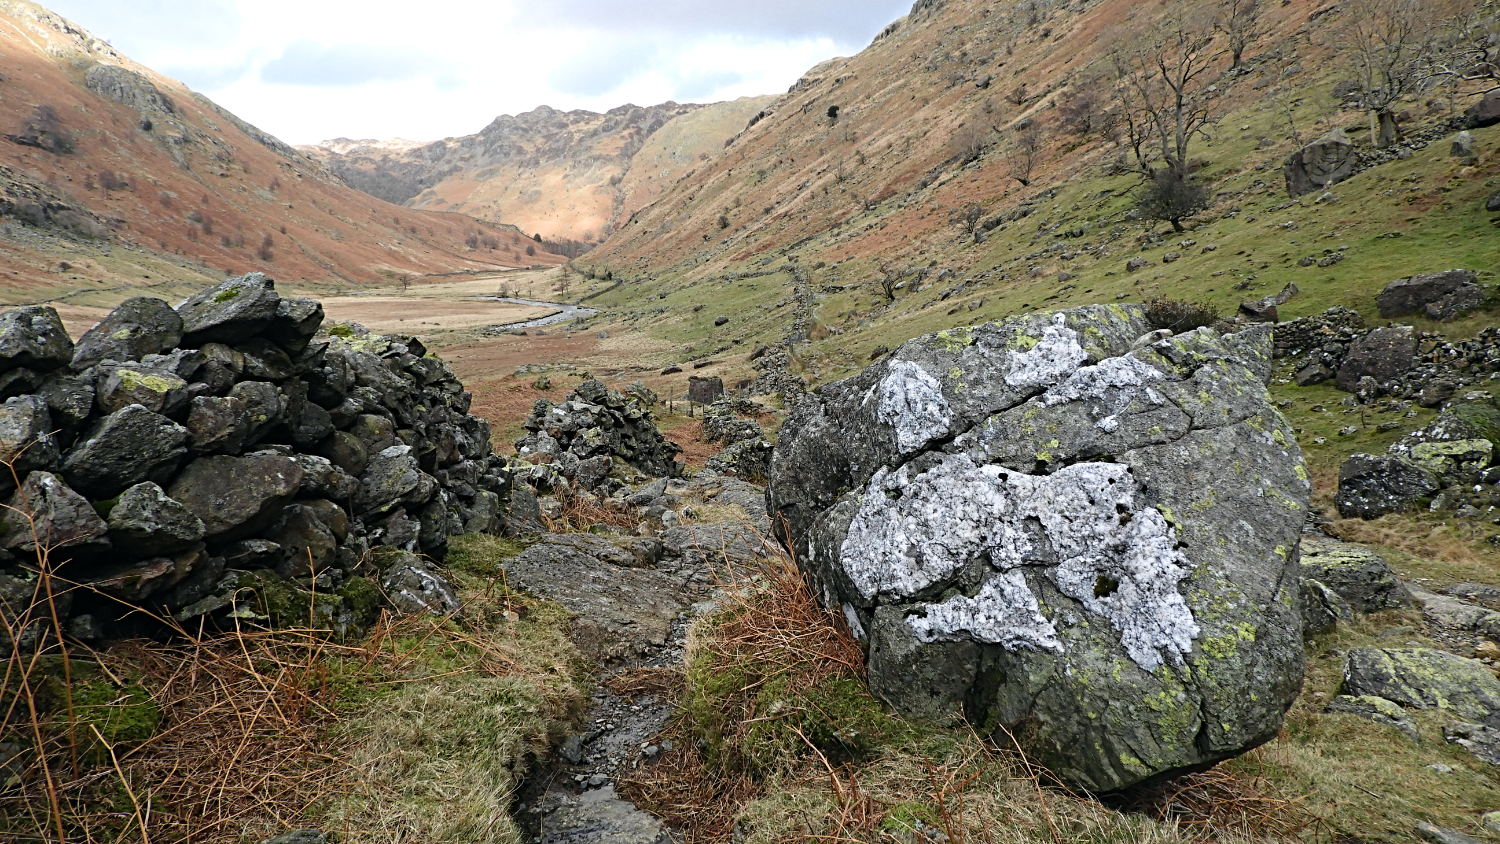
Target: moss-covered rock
{"x":1423,"y":678}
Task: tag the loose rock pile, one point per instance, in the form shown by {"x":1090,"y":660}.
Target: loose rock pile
{"x":1060,"y":525}
{"x":594,"y":424}
{"x":747,"y":453}
{"x":1398,"y":361}
{"x":1449,"y":465}
{"x":224,"y":458}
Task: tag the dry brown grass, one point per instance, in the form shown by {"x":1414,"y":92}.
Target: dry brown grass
{"x":582,"y":513}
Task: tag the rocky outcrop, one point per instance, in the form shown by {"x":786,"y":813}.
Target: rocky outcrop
{"x":175,"y":460}
{"x":1421,"y":678}
{"x":1441,"y":296}
{"x":1384,"y":355}
{"x":594,"y":422}
{"x":1033,"y":525}
{"x":1371,"y":486}
{"x":1361,"y":577}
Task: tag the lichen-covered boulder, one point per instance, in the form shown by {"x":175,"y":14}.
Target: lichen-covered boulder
{"x":136,"y":328}
{"x":157,"y":390}
{"x":1033,"y":525}
{"x":1423,"y":678}
{"x":1360,"y":576}
{"x":230,"y":312}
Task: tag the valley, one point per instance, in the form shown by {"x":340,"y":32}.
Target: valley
{"x":1059,"y":420}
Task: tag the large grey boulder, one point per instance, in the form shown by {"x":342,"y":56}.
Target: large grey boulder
{"x":146,"y":522}
{"x":33,"y":338}
{"x":136,"y":328}
{"x":1384,"y":354}
{"x":1441,"y":296}
{"x":229,"y":312}
{"x":1423,"y":678}
{"x":1484,"y":113}
{"x":236,"y":497}
{"x":1371,"y":486}
{"x":1035,"y":526}
{"x":1360,"y":576}
{"x":122,"y":449}
{"x":1327,"y":161}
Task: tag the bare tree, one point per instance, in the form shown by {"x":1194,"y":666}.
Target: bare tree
{"x":970,"y":142}
{"x":1386,"y":43}
{"x":1026,"y":151}
{"x":1165,"y":81}
{"x":1467,"y":49}
{"x":1240,"y":22}
{"x":889,"y":278}
{"x":973,"y":213}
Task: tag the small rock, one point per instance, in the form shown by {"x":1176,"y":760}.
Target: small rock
{"x":721,"y":321}
{"x":1439,"y":835}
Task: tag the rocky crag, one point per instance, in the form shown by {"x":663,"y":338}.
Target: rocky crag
{"x":225,"y":457}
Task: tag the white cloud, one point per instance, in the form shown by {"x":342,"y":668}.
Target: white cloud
{"x":307,"y":70}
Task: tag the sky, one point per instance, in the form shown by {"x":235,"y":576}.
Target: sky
{"x":311,"y":70}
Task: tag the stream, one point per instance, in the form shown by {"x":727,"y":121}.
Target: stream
{"x":565,"y":312}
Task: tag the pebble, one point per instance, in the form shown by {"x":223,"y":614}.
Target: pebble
{"x":1440,"y":768}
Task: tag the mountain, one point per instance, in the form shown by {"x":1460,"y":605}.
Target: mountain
{"x":130,"y":176}
{"x":564,"y":175}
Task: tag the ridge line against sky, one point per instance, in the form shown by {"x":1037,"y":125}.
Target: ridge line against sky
{"x":311,"y":70}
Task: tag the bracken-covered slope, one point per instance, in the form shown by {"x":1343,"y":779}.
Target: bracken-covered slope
{"x":564,"y":175}
{"x":122,"y":174}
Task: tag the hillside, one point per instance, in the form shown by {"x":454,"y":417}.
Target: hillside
{"x":565,"y":175}
{"x":909,"y":162}
{"x":114,"y":175}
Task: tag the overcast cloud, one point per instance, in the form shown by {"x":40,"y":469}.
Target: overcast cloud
{"x":309,"y":70}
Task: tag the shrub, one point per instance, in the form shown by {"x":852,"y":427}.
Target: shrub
{"x":1179,"y":315}
{"x":1172,"y":197}
{"x":44,"y":130}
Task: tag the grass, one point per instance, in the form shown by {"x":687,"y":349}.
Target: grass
{"x":421,"y":731}
{"x":779,"y":740}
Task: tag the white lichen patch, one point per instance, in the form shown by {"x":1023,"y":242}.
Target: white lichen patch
{"x":1113,"y":384}
{"x":1003,"y":613}
{"x":911,"y":402}
{"x":1052,"y":359}
{"x":1082,"y":526}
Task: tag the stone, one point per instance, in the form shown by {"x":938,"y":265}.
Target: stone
{"x":265,"y":408}
{"x":1440,"y":835}
{"x":1313,"y":373}
{"x":345,"y":451}
{"x":1030,"y":524}
{"x":1482,"y":741}
{"x":600,"y":815}
{"x":1360,"y":576}
{"x":1442,"y":296}
{"x":376,"y":432}
{"x":524,"y":516}
{"x":1378,"y":710}
{"x":1136,"y":263}
{"x":1260,"y":310}
{"x":1458,"y":615}
{"x":308,"y":545}
{"x":1492,"y":204}
{"x":748,"y":459}
{"x":122,"y":449}
{"x":34,"y":338}
{"x":1384,"y":354}
{"x":146,"y":522}
{"x":1321,"y":608}
{"x":594,"y":421}
{"x":70,"y":399}
{"x":1327,"y":161}
{"x":415,"y":589}
{"x":705,"y":390}
{"x":264,"y":361}
{"x":26,"y":441}
{"x":720,"y":322}
{"x":322,"y":479}
{"x":229,"y":312}
{"x":237,"y":497}
{"x":157,"y":390}
{"x":136,"y":328}
{"x":217,"y":425}
{"x":1453,"y":459}
{"x":135,"y":582}
{"x":1484,"y":113}
{"x":1422,"y":678}
{"x":1371,"y":486}
{"x":393,"y":477}
{"x":299,"y":836}
{"x":1462,"y":146}
{"x":296,"y":323}
{"x":1436,"y":393}
{"x":46,"y":512}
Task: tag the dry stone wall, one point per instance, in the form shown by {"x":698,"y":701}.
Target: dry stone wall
{"x":225,"y":457}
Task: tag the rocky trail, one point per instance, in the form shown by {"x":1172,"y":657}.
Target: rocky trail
{"x":634,"y":598}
